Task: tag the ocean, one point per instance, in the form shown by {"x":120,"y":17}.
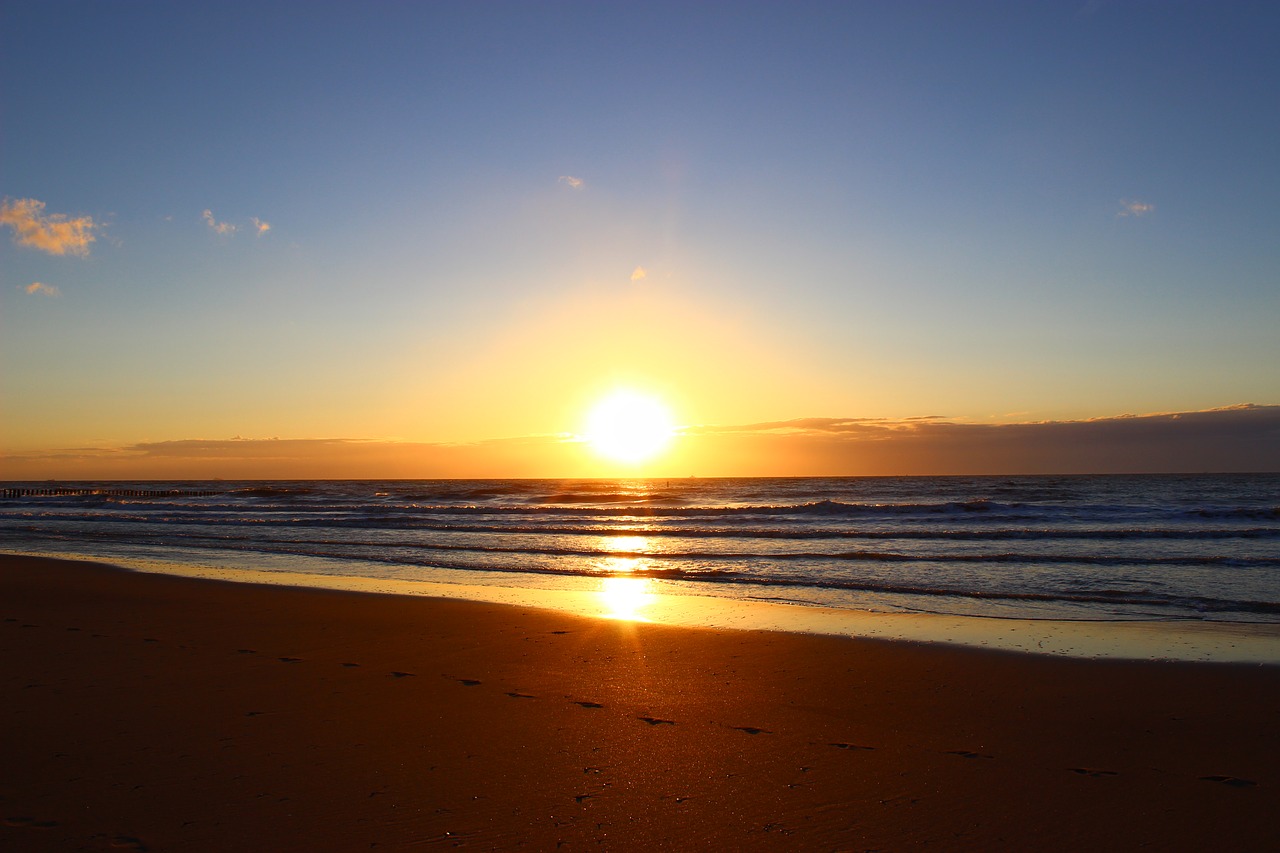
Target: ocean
{"x":1166,"y":548}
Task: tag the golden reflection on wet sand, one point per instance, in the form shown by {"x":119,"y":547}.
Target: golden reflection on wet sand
{"x":625,"y":598}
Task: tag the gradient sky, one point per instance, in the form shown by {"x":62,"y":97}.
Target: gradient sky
{"x":426,"y":223}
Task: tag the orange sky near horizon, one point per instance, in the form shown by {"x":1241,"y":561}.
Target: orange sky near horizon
{"x":1237,"y":439}
{"x":842,"y":239}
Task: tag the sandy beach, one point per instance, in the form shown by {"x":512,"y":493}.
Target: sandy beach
{"x":162,"y":713}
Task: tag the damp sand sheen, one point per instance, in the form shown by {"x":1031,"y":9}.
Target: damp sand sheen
{"x":1037,"y":663}
{"x":156,"y":712}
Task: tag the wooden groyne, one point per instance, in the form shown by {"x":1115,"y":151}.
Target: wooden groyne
{"x":57,"y":491}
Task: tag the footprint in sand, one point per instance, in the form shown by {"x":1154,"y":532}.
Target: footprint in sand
{"x":751,"y":730}
{"x":28,"y":823}
{"x":1233,"y":781}
{"x":515,"y":695}
{"x":469,"y":682}
{"x":851,"y":746}
{"x":395,"y":673}
{"x":351,"y":664}
{"x":127,"y":842}
{"x":1097,"y":774}
{"x":964,"y":753}
{"x":289,"y":660}
{"x":246,"y":651}
{"x":654,"y":721}
{"x":589,"y":704}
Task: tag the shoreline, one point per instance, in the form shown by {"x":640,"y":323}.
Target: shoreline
{"x":166,"y":713}
{"x":657,"y":601}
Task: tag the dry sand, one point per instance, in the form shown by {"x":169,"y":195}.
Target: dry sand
{"x":152,"y":712}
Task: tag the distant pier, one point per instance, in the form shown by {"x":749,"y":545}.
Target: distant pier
{"x":56,"y":491}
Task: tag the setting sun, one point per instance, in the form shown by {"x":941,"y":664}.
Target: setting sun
{"x":629,"y":427}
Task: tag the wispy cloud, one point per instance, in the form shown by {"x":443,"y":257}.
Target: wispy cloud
{"x":41,"y":288}
{"x":54,"y":233}
{"x":229,"y":229}
{"x":291,"y":459}
{"x":1237,"y":438}
{"x":575,"y":183}
{"x":639,"y":274}
{"x":221,"y":228}
{"x":1130,"y":207}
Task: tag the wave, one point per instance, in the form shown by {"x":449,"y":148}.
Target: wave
{"x":1244,"y":512}
{"x":1032,"y":539}
{"x":272,"y":491}
{"x":1179,"y":606}
{"x":537,"y":499}
{"x":620,"y":507}
{"x":426,"y":523}
{"x":172,"y":538}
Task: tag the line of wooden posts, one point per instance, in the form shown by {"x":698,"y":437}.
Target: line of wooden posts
{"x":54,"y":491}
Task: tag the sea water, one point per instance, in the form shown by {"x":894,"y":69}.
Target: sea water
{"x":1168,"y":548}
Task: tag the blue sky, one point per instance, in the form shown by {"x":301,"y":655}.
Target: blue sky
{"x":481,"y":215}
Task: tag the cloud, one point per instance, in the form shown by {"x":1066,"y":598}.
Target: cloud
{"x":1129,"y":207}
{"x":228,"y":229}
{"x":39,"y":287}
{"x":221,"y":228}
{"x":53,"y":233}
{"x":575,"y":183}
{"x":292,"y":459}
{"x":639,"y":274}
{"x":1238,"y":439}
{"x":1235,"y":439}
{"x":802,"y":426}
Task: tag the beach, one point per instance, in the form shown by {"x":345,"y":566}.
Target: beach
{"x":145,"y":711}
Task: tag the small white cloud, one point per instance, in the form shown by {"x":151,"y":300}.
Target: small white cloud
{"x":54,"y":233}
{"x":639,"y":274}
{"x":222,"y":228}
{"x":40,"y":287}
{"x":1129,"y":207}
{"x":260,"y":226}
{"x":575,"y":183}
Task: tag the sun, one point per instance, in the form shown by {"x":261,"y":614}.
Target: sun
{"x":629,"y":427}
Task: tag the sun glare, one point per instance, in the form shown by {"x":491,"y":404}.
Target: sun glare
{"x":629,"y":427}
{"x":625,"y":598}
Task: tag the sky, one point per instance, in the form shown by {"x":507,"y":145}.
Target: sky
{"x":290,"y":239}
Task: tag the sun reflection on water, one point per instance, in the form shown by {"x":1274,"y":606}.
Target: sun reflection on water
{"x":622,"y":594}
{"x":626,"y":544}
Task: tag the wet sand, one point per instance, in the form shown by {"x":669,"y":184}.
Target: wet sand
{"x":154,"y":712}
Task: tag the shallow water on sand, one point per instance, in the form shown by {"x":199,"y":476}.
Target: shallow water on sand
{"x":1134,"y":549}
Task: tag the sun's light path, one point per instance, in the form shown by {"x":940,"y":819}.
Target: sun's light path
{"x":629,"y":427}
{"x":625,"y":598}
